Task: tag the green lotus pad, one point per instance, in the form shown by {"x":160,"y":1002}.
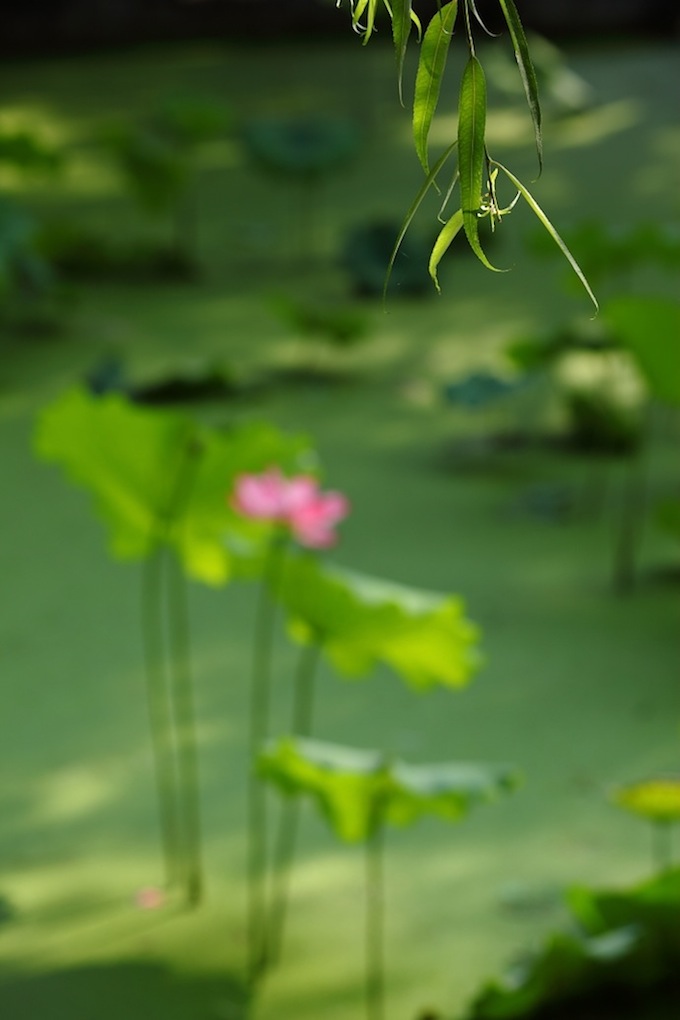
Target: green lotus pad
{"x":135,"y":461}
{"x":361,"y":621}
{"x":657,"y":800}
{"x":358,"y":790}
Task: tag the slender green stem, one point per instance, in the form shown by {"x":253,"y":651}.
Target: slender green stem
{"x":185,"y":728}
{"x":662,"y":833}
{"x":160,"y":714}
{"x":631,"y":523}
{"x":260,"y":710}
{"x":468,"y":28}
{"x":375,"y":924}
{"x":169,"y":696}
{"x":286,"y":840}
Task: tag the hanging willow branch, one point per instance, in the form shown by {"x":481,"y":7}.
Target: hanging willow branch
{"x":476,"y":172}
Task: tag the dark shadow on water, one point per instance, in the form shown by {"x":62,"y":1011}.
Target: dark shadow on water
{"x":121,"y":991}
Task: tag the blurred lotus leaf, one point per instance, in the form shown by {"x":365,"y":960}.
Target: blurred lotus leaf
{"x":361,"y":621}
{"x":130,"y":458}
{"x":359,"y":790}
{"x":25,"y":152}
{"x":657,"y":800}
{"x":301,"y":147}
{"x":650,"y":329}
{"x":191,"y":119}
{"x":366,"y":256}
{"x":480,"y":389}
{"x":336,"y":325}
{"x":668,"y":516}
{"x":619,"y":961}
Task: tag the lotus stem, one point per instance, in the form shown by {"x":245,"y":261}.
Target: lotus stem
{"x":286,"y":841}
{"x":375,"y":925}
{"x":631,"y":523}
{"x":662,"y":848}
{"x":185,"y":727}
{"x":160,"y":714}
{"x":260,"y":710}
{"x":165,"y":631}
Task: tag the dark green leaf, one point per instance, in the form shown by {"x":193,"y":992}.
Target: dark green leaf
{"x":433,"y":53}
{"x":526,"y":70}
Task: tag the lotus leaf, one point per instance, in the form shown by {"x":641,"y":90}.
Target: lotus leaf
{"x":358,"y":790}
{"x":657,"y":800}
{"x":361,"y":621}
{"x":650,"y":329}
{"x":130,"y":458}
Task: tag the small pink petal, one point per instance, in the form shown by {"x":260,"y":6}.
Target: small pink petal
{"x":150,"y":898}
{"x":260,"y":496}
{"x":300,"y":492}
{"x":313,"y":524}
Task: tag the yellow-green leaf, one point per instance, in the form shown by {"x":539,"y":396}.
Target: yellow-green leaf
{"x":446,"y":235}
{"x":431,"y":64}
{"x":361,"y":621}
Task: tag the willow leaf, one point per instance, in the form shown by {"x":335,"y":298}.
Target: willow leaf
{"x":433,"y":54}
{"x":536,"y":209}
{"x":526,"y":71}
{"x":472,"y":152}
{"x":371,"y":7}
{"x":415,"y":205}
{"x":401,"y":30}
{"x":443,"y":242}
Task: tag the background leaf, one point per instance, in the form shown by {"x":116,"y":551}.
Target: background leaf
{"x":650,"y":329}
{"x":362,"y":621}
{"x":129,"y":458}
{"x":356,"y":790}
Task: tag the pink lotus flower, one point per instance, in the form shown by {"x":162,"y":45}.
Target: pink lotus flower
{"x":295,"y":503}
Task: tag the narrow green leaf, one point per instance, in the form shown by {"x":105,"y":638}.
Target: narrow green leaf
{"x":526,"y":71}
{"x":443,"y":242}
{"x":433,"y":53}
{"x":472,"y":152}
{"x":401,"y":30}
{"x":536,"y":209}
{"x":357,"y":10}
{"x":415,"y":205}
{"x":370,"y":6}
